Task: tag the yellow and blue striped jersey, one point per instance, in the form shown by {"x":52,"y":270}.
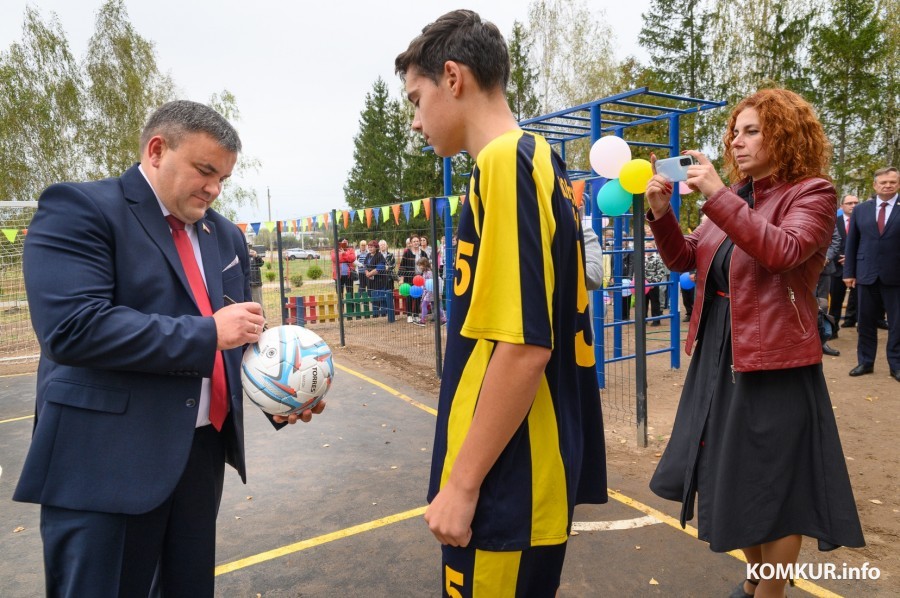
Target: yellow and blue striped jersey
{"x":520,"y":279}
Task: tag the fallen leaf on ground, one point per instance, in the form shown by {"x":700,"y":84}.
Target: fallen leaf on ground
{"x":653,"y":582}
{"x":875,"y":501}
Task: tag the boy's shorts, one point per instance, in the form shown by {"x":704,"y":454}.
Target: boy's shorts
{"x":473,"y":573}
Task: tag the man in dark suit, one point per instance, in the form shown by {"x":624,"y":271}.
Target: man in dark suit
{"x":838,"y":288}
{"x":872,"y":265}
{"x":139,"y":400}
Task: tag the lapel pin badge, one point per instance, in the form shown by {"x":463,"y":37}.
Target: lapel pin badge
{"x":205,"y":228}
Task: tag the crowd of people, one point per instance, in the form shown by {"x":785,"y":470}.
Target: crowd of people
{"x":377,"y":270}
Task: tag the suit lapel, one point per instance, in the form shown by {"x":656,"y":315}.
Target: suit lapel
{"x":892,"y":219}
{"x":146,"y":209}
{"x":212,"y":261}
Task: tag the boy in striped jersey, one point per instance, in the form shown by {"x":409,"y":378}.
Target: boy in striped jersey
{"x":519,"y":438}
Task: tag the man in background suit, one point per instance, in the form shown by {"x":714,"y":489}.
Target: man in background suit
{"x":838,"y":288}
{"x":139,"y":400}
{"x":872,"y":265}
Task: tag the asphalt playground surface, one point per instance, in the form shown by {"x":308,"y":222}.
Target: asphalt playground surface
{"x":334,"y":508}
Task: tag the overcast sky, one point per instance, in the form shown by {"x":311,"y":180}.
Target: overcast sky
{"x":300,"y":71}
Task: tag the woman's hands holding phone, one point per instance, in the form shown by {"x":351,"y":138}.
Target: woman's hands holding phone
{"x":701,"y":177}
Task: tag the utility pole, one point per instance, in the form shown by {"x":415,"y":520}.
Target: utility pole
{"x":269,"y":201}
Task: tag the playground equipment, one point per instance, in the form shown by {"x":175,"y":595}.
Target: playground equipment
{"x":616,"y":115}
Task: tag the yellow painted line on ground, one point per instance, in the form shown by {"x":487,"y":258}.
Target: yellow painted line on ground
{"x":317,"y":541}
{"x":690,"y":530}
{"x":388,"y":389}
{"x":16,"y":419}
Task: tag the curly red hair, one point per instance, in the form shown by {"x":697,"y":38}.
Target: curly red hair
{"x":795,"y":140}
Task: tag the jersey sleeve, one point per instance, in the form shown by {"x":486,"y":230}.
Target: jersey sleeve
{"x":512,"y":276}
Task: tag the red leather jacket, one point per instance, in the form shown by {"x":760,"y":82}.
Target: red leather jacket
{"x":778,"y":255}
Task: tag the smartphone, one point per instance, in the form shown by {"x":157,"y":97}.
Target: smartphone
{"x":675,"y":168}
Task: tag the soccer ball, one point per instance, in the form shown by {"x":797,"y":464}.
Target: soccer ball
{"x":288,"y":371}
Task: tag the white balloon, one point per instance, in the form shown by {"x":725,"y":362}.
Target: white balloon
{"x":608,"y":155}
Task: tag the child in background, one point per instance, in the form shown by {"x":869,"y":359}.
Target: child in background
{"x":424,"y":264}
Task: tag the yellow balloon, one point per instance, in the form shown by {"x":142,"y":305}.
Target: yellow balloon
{"x":635,"y":175}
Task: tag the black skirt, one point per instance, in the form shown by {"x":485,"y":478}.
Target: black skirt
{"x":760,"y":451}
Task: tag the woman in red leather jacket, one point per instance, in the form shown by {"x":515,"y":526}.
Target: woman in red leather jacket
{"x":755,"y":439}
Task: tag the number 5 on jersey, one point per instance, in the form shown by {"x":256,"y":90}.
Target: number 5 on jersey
{"x":461,"y":283}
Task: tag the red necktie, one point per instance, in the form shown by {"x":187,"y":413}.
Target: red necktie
{"x":218,"y":401}
{"x":881,"y":214}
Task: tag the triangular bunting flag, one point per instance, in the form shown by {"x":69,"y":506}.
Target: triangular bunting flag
{"x":242,"y":226}
{"x":359,"y":213}
{"x":255,"y":227}
{"x":407,"y":208}
{"x":416,"y":206}
{"x":10,"y":234}
{"x":426,"y":203}
{"x":326,"y":218}
{"x":578,"y":191}
{"x":270,"y":225}
{"x":346,"y":218}
{"x":385,"y":210}
{"x":368,"y":217}
{"x":396,"y":209}
{"x":454,"y":203}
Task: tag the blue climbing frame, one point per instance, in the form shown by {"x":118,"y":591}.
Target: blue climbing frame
{"x":614,"y":115}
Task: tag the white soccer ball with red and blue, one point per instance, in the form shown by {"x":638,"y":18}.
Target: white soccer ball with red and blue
{"x":288,"y":371}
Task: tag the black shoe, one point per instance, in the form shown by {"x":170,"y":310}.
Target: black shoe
{"x":739,"y":592}
{"x":881,"y":324}
{"x":826,"y":350}
{"x":895,"y":374}
{"x":862,"y":369}
{"x":849,"y":324}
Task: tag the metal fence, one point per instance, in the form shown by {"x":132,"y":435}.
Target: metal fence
{"x":386,"y":323}
{"x":17,"y":341}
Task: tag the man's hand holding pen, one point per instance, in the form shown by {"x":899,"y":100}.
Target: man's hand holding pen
{"x":238,"y":324}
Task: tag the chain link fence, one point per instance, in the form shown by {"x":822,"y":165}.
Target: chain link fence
{"x":379,"y":315}
{"x":18,"y":344}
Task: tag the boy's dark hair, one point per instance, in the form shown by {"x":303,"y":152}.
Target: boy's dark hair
{"x":423,"y":262}
{"x":463,"y":37}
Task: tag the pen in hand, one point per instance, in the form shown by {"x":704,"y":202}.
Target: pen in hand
{"x":230,"y":301}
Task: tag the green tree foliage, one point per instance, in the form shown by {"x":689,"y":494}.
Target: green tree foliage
{"x":234,"y":194}
{"x":572,"y":53}
{"x":378,"y":154}
{"x":845,"y":54}
{"x":124,"y":85}
{"x":40,"y":111}
{"x":781,"y":31}
{"x":522,"y":78}
{"x":675,"y":34}
{"x":887,"y":134}
{"x":392,"y":166}
{"x":61,"y":119}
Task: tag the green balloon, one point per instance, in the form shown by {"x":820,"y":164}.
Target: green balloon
{"x":404,"y":289}
{"x":612,"y":199}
